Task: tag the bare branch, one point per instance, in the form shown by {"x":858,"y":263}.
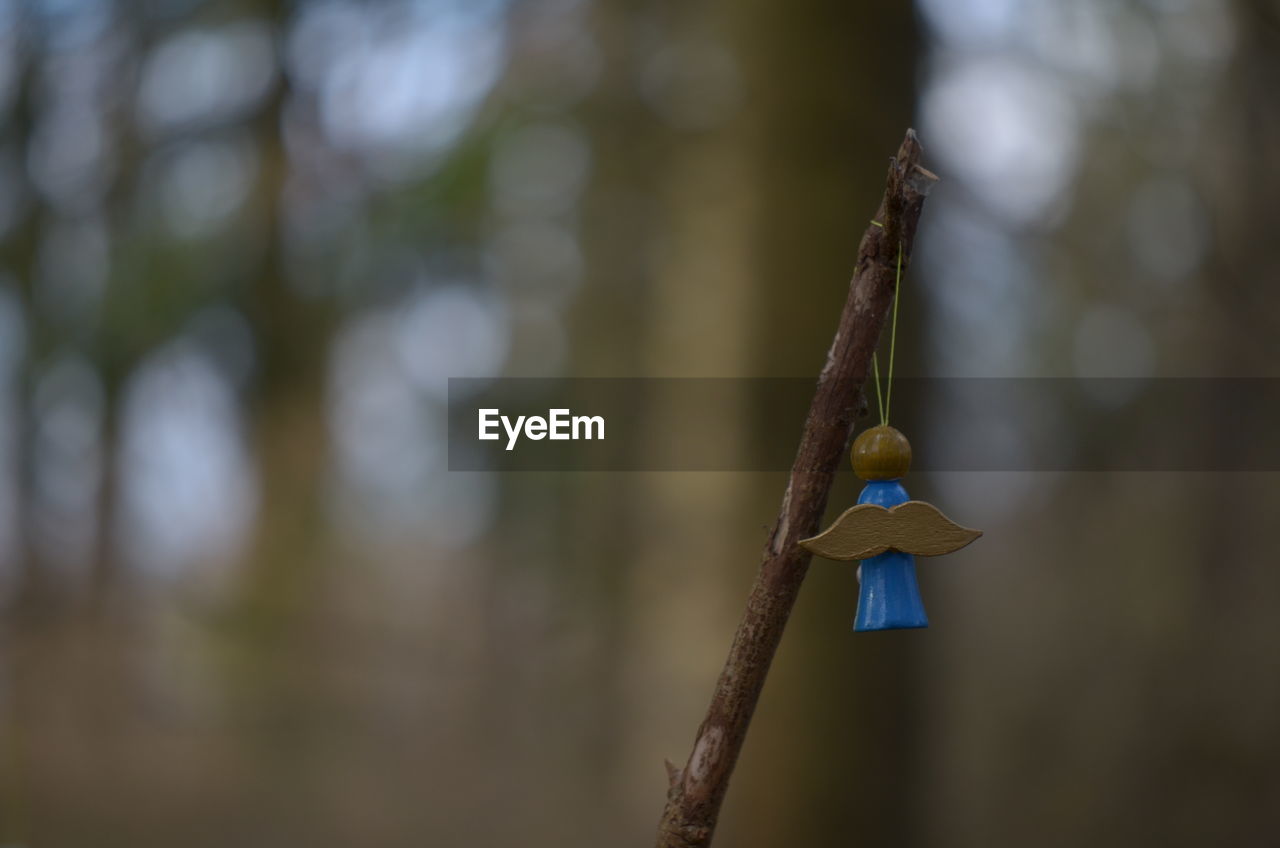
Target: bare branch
{"x":697,"y":791}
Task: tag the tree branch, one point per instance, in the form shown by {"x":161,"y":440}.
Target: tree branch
{"x":696,"y":791}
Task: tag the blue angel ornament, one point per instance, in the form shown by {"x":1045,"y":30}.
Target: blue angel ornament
{"x":887,"y":531}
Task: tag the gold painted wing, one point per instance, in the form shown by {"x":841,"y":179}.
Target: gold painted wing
{"x":914,"y":527}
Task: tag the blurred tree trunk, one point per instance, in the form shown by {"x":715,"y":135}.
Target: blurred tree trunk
{"x":27,"y":588}
{"x":748,"y":257}
{"x":279,"y":602}
{"x":33,"y":587}
{"x":831,"y":88}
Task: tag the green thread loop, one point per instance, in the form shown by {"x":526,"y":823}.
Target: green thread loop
{"x":885,"y":401}
{"x":893,"y":337}
{"x":875,"y":369}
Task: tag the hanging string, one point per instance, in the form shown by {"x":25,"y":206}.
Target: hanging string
{"x":884,"y":401}
{"x":893,"y":337}
{"x":875,"y":369}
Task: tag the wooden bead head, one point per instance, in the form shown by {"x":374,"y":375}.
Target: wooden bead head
{"x":881,"y":453}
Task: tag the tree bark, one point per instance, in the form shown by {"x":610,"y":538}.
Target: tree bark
{"x":696,"y":791}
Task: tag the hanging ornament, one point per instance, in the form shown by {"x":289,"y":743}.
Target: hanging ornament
{"x":887,"y":530}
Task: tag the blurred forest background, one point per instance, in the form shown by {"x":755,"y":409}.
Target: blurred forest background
{"x":243,"y":245}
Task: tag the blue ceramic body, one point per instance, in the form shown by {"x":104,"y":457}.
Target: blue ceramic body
{"x":889,"y":598}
